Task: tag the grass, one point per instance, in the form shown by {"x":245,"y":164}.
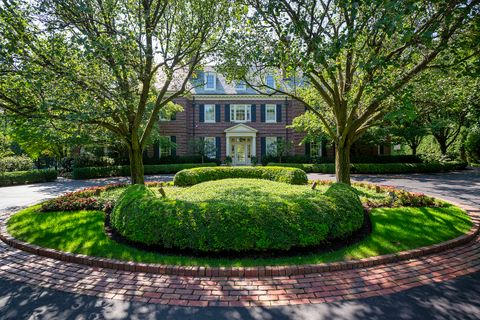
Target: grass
{"x":394,"y":230}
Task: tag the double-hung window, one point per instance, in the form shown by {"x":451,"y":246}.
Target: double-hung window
{"x":165,"y":146}
{"x":240,"y":113}
{"x":271,"y":146}
{"x":210,"y":81}
{"x":316,"y":148}
{"x":210,"y":147}
{"x":209,"y":113}
{"x":270,"y":113}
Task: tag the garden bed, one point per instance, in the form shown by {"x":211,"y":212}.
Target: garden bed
{"x":395,"y":227}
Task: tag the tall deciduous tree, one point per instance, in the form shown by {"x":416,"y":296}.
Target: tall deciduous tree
{"x":110,"y":63}
{"x":345,"y":59}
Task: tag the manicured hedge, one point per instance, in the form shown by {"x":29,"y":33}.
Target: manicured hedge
{"x":102,"y":172}
{"x":354,"y":159}
{"x":237,"y":215}
{"x":16,"y":163}
{"x":25,"y":177}
{"x":378,"y":167}
{"x":190,"y":177}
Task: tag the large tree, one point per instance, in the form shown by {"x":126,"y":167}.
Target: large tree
{"x":345,"y":59}
{"x":110,"y":63}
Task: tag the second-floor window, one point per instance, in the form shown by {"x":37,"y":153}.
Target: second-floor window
{"x":270,"y":113}
{"x":209,"y":113}
{"x":210,"y":81}
{"x":240,"y":113}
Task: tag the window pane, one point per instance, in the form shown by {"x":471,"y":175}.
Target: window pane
{"x":210,"y":81}
{"x":210,"y":147}
{"x":271,"y":145}
{"x":165,"y":147}
{"x":210,"y":112}
{"x":270,"y":81}
{"x":239,"y":114}
{"x":271,"y":113}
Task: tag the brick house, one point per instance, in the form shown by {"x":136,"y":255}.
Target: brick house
{"x":237,"y":121}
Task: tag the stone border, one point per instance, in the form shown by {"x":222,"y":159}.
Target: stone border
{"x":246,"y":272}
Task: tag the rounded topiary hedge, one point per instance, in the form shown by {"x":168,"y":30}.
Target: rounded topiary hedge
{"x":193,"y":176}
{"x":237,"y":215}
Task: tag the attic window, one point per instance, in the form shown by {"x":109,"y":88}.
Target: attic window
{"x":241,"y":85}
{"x":210,"y":81}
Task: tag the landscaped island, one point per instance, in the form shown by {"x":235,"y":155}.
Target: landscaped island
{"x":254,"y":214}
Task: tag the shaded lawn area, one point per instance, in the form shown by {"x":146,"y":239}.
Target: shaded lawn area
{"x":394,"y":230}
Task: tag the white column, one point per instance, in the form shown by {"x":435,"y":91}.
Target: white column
{"x":227,"y":153}
{"x":254,"y":146}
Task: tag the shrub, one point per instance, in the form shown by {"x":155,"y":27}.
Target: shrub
{"x":308,"y":167}
{"x":88,"y":159}
{"x":472,"y":144}
{"x":25,"y":177}
{"x":354,"y":159}
{"x":16,"y":163}
{"x":102,"y":172}
{"x":237,"y":215}
{"x":375,"y":168}
{"x":190,"y":177}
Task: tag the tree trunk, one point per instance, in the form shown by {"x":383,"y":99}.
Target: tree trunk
{"x":342,"y":163}
{"x":443,"y":147}
{"x":414,"y":150}
{"x":135,"y":154}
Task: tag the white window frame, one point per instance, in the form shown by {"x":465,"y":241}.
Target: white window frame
{"x":214,"y":75}
{"x":169,"y":148}
{"x":240,"y":86}
{"x":316,"y":147}
{"x":274,"y":106}
{"x":268,"y":76}
{"x":205,"y":113}
{"x":269,"y":141}
{"x":214,"y":153}
{"x":247,"y":110}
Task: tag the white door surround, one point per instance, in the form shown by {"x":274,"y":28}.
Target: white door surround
{"x":241,"y":144}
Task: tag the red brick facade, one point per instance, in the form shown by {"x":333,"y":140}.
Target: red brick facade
{"x":188,"y":125}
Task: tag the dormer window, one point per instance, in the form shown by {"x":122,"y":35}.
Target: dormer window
{"x":210,"y":81}
{"x":241,"y":86}
{"x":270,"y":81}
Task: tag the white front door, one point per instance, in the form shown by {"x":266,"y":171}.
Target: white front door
{"x":241,"y":151}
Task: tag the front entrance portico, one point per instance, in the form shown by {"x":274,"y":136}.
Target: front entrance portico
{"x":241,"y":144}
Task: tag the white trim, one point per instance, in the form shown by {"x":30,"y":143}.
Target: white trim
{"x":206,"y":74}
{"x":205,"y":113}
{"x":230,"y":97}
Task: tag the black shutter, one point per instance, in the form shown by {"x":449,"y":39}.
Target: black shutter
{"x":307,"y":149}
{"x":174,"y":116}
{"x":279,"y":113}
{"x":262,"y":113}
{"x":263,"y":146}
{"x":218,"y":145}
{"x":227,"y":113}
{"x":201,"y":112}
{"x":217,"y":113}
{"x":156,"y":151}
{"x":173,"y":150}
{"x":253,"y":111}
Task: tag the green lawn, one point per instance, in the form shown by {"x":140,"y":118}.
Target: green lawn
{"x":394,"y":229}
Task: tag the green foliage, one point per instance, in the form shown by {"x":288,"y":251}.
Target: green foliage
{"x":472,"y":144}
{"x":237,"y":215}
{"x":26,"y":177}
{"x":379,"y":167}
{"x":15,"y":163}
{"x":113,"y":171}
{"x":88,"y":159}
{"x":191,"y":177}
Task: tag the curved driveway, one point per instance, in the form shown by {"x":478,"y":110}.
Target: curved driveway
{"x":457,"y":299}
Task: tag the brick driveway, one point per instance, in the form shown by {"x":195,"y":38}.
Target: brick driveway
{"x":266,"y":291}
